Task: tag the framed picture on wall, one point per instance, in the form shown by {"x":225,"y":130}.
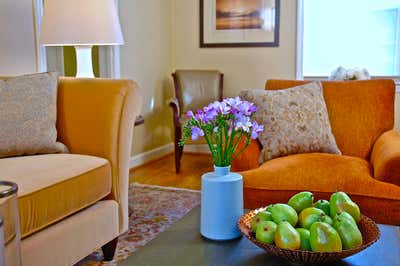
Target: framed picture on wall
{"x":239,"y":23}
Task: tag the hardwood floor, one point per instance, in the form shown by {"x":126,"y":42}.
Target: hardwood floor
{"x":162,"y":171}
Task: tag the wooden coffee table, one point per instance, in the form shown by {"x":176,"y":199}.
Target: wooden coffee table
{"x":182,"y":244}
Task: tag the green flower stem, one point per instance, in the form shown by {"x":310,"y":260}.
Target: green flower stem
{"x":210,"y":146}
{"x":221,"y":155}
{"x":229,"y":149}
{"x":226,"y":131}
{"x":237,"y":143}
{"x":233,"y":147}
{"x":242,"y":150}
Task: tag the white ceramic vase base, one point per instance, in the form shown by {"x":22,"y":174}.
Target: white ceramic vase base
{"x":221,"y":204}
{"x":84,"y":65}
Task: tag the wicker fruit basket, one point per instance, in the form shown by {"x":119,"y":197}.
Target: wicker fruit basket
{"x":368,"y":228}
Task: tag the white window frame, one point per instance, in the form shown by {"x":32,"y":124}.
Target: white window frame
{"x":300,"y":49}
{"x":41,"y":59}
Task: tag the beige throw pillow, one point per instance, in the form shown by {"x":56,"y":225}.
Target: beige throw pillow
{"x":28,"y":113}
{"x":295,"y":121}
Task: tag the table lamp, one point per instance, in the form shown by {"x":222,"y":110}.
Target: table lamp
{"x":81,"y":24}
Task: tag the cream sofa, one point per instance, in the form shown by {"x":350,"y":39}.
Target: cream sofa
{"x":72,"y":204}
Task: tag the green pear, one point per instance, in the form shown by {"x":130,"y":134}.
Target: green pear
{"x":323,"y":205}
{"x":348,"y":231}
{"x":269,"y":207}
{"x":309,"y":216}
{"x":262,"y":216}
{"x":287,"y":237}
{"x":301,"y":200}
{"x":266,"y":232}
{"x":343,"y":215}
{"x":341,"y":202}
{"x":283,"y":212}
{"x":304,"y":238}
{"x":326,"y":219}
{"x":324,"y":238}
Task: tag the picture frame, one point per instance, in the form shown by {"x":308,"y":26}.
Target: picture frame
{"x":239,"y":23}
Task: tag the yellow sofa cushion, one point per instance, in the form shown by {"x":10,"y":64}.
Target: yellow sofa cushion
{"x":54,"y":186}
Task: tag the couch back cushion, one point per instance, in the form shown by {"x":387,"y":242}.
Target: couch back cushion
{"x":28,"y":114}
{"x":359,"y":111}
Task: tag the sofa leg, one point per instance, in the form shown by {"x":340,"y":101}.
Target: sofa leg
{"x":109,"y":249}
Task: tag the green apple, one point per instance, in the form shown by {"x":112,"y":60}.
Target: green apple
{"x":266,"y":232}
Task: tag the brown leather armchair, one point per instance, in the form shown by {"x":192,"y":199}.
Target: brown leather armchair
{"x":193,"y":90}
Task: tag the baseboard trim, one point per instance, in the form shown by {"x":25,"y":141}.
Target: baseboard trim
{"x":197,"y":148}
{"x":148,"y":156}
{"x":151,"y":155}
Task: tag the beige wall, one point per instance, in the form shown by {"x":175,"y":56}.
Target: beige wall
{"x":17,"y":38}
{"x":243,"y":67}
{"x":146,"y":58}
{"x":169,"y":39}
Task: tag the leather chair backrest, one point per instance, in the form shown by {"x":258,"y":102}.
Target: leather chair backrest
{"x":359,"y":111}
{"x":196,"y":88}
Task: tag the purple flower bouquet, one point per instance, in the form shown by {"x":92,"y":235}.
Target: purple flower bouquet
{"x":223,"y":125}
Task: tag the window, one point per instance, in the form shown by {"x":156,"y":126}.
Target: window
{"x":349,"y":33}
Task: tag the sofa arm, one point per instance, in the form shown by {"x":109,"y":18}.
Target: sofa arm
{"x":96,"y":117}
{"x":385,"y":158}
{"x":249,"y":159}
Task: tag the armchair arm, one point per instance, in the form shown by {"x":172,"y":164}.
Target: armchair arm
{"x":385,"y":158}
{"x":249,"y":158}
{"x":174,"y":104}
{"x":96,"y":117}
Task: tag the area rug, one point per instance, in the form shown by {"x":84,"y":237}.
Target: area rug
{"x":153,"y":210}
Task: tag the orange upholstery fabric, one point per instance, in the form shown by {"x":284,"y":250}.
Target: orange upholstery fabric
{"x":320,"y":173}
{"x":386,"y":158}
{"x":360,"y":113}
{"x":95,"y":117}
{"x":249,"y":158}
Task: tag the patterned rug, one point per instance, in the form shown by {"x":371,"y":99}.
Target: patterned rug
{"x":153,"y":210}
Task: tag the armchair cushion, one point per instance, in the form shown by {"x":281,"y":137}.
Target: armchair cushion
{"x":386,"y":158}
{"x":53,"y":186}
{"x":295,"y":121}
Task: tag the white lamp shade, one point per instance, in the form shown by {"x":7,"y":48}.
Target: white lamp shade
{"x":80,"y":22}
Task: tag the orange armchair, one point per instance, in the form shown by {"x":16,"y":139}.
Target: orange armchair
{"x":385,"y":158}
{"x":362,"y":119}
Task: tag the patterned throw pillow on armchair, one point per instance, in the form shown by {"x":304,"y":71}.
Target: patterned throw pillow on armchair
{"x":295,"y":121}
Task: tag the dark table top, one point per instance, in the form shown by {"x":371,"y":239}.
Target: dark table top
{"x":182,"y":244}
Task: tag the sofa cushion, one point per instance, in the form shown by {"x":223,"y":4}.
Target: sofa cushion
{"x":54,"y":186}
{"x":295,"y":121}
{"x":323,"y":174}
{"x":320,"y":172}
